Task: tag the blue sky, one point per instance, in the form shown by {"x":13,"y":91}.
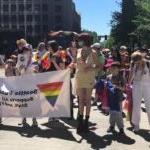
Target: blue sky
{"x":96,"y":14}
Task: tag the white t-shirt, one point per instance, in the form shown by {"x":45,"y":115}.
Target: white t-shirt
{"x":23,"y":62}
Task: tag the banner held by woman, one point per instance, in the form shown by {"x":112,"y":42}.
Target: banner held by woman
{"x":36,"y":95}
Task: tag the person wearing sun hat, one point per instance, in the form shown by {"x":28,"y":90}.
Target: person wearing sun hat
{"x":87,"y":62}
{"x":99,"y":71}
{"x":101,"y":58}
{"x":140,"y":77}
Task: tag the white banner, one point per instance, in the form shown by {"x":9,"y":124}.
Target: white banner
{"x":36,"y":95}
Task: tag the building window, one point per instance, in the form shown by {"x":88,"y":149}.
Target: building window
{"x":13,"y":18}
{"x":58,"y":27}
{"x":13,"y":1}
{"x":14,"y":27}
{"x":45,"y":28}
{"x":5,"y":8}
{"x":13,"y":8}
{"x":36,"y":7}
{"x":21,"y":18}
{"x":29,"y":18}
{"x":37,"y":28}
{"x":21,"y":7}
{"x":58,"y":8}
{"x":45,"y":18}
{"x":29,"y":29}
{"x":58,"y":19}
{"x":6,"y":26}
{"x":21,"y":28}
{"x":5,"y":19}
{"x":58,"y":1}
{"x":37,"y":18}
{"x":45,"y":7}
{"x":29,"y":7}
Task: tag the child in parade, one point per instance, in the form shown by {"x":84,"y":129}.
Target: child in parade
{"x":24,"y":66}
{"x":9,"y":71}
{"x":101,"y":89}
{"x":115,"y":87}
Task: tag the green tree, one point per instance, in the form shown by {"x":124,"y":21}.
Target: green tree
{"x":142,"y":22}
{"x":109,"y":43}
{"x":93,"y":33}
{"x":122,"y":22}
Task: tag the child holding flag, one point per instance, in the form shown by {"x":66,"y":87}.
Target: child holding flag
{"x":115,"y":87}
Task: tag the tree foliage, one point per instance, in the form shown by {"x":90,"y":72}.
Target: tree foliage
{"x":142,"y":21}
{"x":122,"y":22}
{"x":93,"y":33}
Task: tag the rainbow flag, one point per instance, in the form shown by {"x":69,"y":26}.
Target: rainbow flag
{"x":51,"y":91}
{"x":45,"y":61}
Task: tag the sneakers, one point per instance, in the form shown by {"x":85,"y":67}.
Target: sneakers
{"x":110,"y":130}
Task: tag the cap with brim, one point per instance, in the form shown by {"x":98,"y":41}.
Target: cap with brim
{"x":106,"y":50}
{"x":13,"y":57}
{"x":123,"y":47}
{"x":9,"y":61}
{"x":96,"y":45}
{"x":41,"y":44}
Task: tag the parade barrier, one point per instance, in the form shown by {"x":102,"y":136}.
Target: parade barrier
{"x":36,"y":95}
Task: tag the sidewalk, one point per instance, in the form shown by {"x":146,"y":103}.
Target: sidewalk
{"x":62,"y":135}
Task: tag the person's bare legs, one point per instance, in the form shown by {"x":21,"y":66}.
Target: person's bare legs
{"x":81,"y":95}
{"x":88,"y":109}
{"x":88,"y":101}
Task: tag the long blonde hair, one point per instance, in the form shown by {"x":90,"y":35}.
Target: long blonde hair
{"x":137,"y":56}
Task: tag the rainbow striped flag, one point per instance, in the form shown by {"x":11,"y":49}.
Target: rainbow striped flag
{"x":51,"y":91}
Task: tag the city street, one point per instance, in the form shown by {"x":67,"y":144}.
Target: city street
{"x":62,"y":135}
{"x":55,"y":54}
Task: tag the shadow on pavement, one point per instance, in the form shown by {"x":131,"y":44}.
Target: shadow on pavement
{"x":124,"y":139}
{"x":98,"y":142}
{"x":60,"y":132}
{"x":73,"y":123}
{"x":145,"y":134}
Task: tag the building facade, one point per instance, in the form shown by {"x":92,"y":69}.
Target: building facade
{"x":35,"y":18}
